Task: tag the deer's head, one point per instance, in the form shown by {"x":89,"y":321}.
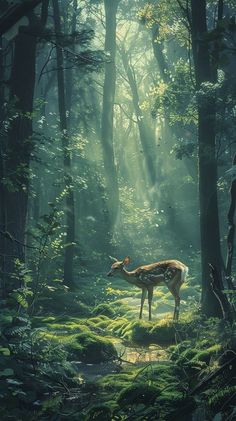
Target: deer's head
{"x":118,"y":266}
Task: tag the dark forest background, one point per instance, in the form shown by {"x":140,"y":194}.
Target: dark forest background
{"x":117,"y":137}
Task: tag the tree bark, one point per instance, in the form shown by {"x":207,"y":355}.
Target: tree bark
{"x":209,"y":218}
{"x":108,"y":114}
{"x":68,"y":180}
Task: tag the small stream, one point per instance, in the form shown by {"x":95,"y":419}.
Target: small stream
{"x":128,"y":354}
{"x":138,"y":355}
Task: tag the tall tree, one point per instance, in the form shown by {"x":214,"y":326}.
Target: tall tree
{"x":147,"y":136}
{"x":108,"y":112}
{"x":205,"y":71}
{"x":68,"y":179}
{"x":19,"y":142}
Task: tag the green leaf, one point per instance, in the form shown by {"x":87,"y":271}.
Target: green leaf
{"x":7,"y":372}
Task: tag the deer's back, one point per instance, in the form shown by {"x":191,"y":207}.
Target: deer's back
{"x":160,"y":267}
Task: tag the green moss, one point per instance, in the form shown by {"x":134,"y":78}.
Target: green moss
{"x":69,"y":328}
{"x":126,"y":328}
{"x":91,"y":348}
{"x":120,"y":307}
{"x":187,"y":355}
{"x":207,"y":354}
{"x":176,"y":350}
{"x":162,"y":374}
{"x":114,"y":383}
{"x":116,"y":325}
{"x":104,"y":309}
{"x":141,"y":332}
{"x":163,"y":332}
{"x":138,"y":394}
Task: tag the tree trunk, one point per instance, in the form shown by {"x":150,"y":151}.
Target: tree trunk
{"x":19,"y":146}
{"x":209,"y":218}
{"x":146,"y":136}
{"x":231,"y":232}
{"x":158,"y":53}
{"x":108,"y":114}
{"x":69,"y":187}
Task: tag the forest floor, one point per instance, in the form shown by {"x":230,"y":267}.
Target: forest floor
{"x":86,"y":357}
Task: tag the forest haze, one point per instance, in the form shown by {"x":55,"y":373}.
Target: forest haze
{"x":118,"y":157}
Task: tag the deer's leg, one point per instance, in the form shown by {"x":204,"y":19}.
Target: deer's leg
{"x":144,"y":294}
{"x":174,"y":289}
{"x":177,"y":304}
{"x":150,"y":295}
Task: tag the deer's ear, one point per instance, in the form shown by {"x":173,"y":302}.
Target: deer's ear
{"x":126,"y":260}
{"x":113,"y":259}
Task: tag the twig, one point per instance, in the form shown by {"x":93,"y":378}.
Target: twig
{"x":10,"y":237}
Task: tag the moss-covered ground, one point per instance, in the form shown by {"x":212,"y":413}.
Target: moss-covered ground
{"x":97,"y":361}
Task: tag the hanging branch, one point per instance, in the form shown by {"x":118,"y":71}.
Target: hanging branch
{"x":8,"y":236}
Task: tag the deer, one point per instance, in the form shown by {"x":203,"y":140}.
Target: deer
{"x":171,"y":273}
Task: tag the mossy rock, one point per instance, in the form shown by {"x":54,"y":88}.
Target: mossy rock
{"x":141,"y":332}
{"x":99,"y":413}
{"x":138,"y":394}
{"x":206,"y":355}
{"x":104,"y":309}
{"x":91,"y":348}
{"x":163,"y":332}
